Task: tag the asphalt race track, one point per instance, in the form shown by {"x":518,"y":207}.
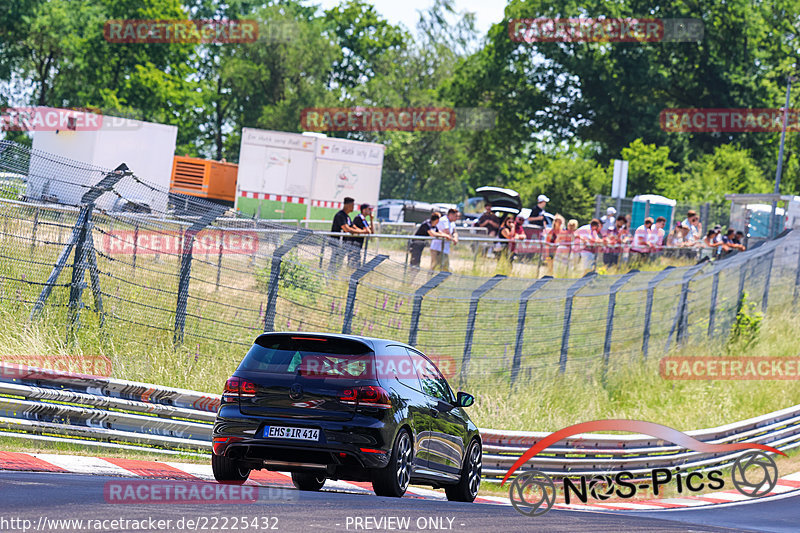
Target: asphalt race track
{"x":43,"y":497}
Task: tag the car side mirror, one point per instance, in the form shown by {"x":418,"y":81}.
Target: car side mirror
{"x":464,"y":399}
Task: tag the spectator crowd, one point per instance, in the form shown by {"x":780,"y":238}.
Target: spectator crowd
{"x":610,"y":239}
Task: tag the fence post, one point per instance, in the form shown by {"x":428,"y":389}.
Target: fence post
{"x":740,"y":293}
{"x":419,"y":294}
{"x":647,"y":209}
{"x":360,"y":272}
{"x":598,"y":205}
{"x":712,"y":309}
{"x":219,"y":258}
{"x":35,"y":227}
{"x":485,"y":287}
{"x":135,"y":243}
{"x":765,"y":299}
{"x":77,"y":284}
{"x":186,"y":270}
{"x":612,"y":302}
{"x":571,"y":291}
{"x":648,"y":307}
{"x":275,"y":274}
{"x":682,"y":315}
{"x":796,"y":281}
{"x":521,"y":317}
{"x":87,"y":200}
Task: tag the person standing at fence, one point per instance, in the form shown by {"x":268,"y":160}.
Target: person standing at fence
{"x":608,"y":221}
{"x":426,"y":229}
{"x":657,"y":235}
{"x":641,"y":247}
{"x":615,"y":239}
{"x":565,"y":240}
{"x":364,"y":222}
{"x":342,"y":223}
{"x":695,"y":227}
{"x":440,"y":248}
{"x":589,"y":239}
{"x":537,"y":213}
{"x":489,"y":221}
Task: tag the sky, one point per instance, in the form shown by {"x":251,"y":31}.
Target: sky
{"x":487,"y":12}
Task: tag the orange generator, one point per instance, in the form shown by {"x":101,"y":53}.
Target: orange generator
{"x":211,"y":180}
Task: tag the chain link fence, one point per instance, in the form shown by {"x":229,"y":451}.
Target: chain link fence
{"x":115,"y":259}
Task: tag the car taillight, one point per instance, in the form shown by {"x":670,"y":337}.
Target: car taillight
{"x":236,"y":388}
{"x":368,"y":396}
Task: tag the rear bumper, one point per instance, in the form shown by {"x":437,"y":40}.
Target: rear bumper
{"x":341,"y":443}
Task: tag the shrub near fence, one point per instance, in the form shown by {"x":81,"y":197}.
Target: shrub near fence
{"x":60,"y":262}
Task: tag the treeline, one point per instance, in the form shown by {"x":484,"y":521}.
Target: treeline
{"x":563,"y":110}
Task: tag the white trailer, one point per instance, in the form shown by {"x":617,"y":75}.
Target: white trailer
{"x":146,"y":148}
{"x":295,"y":176}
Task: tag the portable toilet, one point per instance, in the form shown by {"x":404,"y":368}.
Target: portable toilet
{"x":659,"y":207}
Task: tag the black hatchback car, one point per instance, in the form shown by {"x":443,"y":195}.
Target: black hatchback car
{"x":325,"y":406}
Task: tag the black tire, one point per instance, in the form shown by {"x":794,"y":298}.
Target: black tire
{"x":228,"y":470}
{"x":466,"y":490}
{"x":393,"y":480}
{"x":306,"y":481}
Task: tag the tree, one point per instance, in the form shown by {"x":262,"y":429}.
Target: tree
{"x":650,"y":170}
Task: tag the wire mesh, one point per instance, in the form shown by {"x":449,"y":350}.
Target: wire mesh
{"x":204,"y":276}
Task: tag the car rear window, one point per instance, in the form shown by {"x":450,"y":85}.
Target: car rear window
{"x":310,"y":357}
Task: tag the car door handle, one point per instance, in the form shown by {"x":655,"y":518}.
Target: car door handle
{"x":435,"y":413}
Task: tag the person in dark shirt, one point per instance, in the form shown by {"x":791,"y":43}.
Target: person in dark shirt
{"x":343,"y":224}
{"x":537,"y":213}
{"x":363,"y":221}
{"x":489,"y":221}
{"x":426,"y":229}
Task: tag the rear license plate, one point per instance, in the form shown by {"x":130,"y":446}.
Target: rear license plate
{"x":283,"y":432}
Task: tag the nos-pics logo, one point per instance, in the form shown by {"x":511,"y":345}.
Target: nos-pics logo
{"x":533,"y":493}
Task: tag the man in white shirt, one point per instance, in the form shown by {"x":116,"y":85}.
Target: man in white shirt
{"x":657,"y":234}
{"x":440,"y":248}
{"x":695,"y":227}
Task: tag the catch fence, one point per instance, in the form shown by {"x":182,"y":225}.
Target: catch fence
{"x":110,"y":255}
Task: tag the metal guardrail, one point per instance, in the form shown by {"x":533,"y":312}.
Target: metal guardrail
{"x":45,"y":402}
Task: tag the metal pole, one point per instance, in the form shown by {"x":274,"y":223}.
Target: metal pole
{"x":521,"y":317}
{"x":712,"y":309}
{"x":571,"y":291}
{"x":351,"y":292}
{"x":778,"y":171}
{"x":612,"y":302}
{"x":648,"y":307}
{"x":473,"y":311}
{"x":419,"y":294}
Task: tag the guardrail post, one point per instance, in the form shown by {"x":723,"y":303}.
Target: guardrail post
{"x":648,"y":307}
{"x":360,"y":272}
{"x":77,"y":284}
{"x":765,"y":299}
{"x":681,"y":322}
{"x":275,"y":274}
{"x":571,"y":291}
{"x":521,"y":317}
{"x":186,"y":270}
{"x":419,"y":294}
{"x":712,"y":309}
{"x":485,"y":287}
{"x":612,"y":302}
